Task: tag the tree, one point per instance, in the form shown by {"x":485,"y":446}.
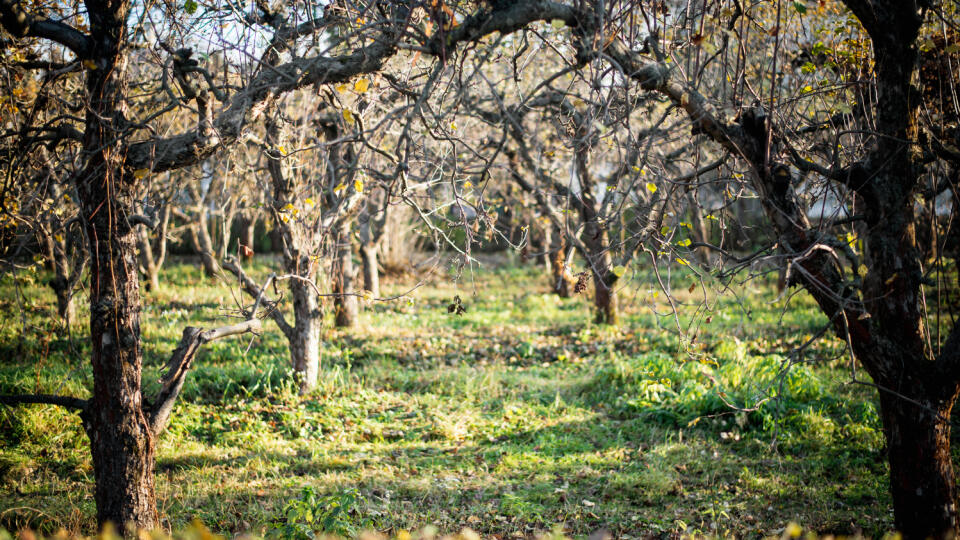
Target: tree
{"x":118,"y":154}
{"x":703,"y":62}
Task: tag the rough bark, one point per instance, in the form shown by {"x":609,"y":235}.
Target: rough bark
{"x":120,"y":438}
{"x":921,"y":469}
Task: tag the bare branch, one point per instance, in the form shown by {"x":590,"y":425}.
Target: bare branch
{"x":22,"y":24}
{"x":180,"y":363}
{"x":46,"y":399}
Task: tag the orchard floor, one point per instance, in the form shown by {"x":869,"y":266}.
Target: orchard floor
{"x":518,"y":417}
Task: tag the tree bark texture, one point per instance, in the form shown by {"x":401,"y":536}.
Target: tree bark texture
{"x":120,"y":438}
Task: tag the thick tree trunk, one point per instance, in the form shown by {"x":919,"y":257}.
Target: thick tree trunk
{"x":345,"y":305}
{"x":120,"y":438}
{"x":371,"y":271}
{"x":305,"y":342}
{"x":121,"y":442}
{"x":921,"y":470}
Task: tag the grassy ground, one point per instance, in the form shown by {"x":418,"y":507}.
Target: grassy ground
{"x":515,"y":418}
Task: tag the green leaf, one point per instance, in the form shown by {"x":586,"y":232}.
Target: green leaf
{"x":557,"y":24}
{"x":618,"y":271}
{"x":800,"y":7}
{"x":190,"y":6}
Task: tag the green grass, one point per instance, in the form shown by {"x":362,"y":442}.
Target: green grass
{"x":517,"y":417}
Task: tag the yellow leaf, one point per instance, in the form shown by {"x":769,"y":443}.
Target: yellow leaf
{"x":339,"y":187}
{"x":348,"y":116}
{"x":341,"y":88}
{"x":618,"y":271}
{"x":358,"y":185}
{"x":361,"y":85}
{"x":283,"y":151}
{"x":309,"y":201}
{"x":651,"y":187}
{"x":682,"y":261}
{"x":467,"y":185}
{"x":58,"y":238}
{"x":140,"y":173}
{"x":89,"y":64}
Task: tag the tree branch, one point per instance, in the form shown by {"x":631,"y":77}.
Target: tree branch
{"x":46,"y":399}
{"x":22,"y":24}
{"x":180,"y":363}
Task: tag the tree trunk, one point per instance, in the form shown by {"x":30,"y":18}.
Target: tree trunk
{"x":305,"y":342}
{"x":248,"y":227}
{"x":57,"y":260}
{"x":65,"y":307}
{"x":546,"y":241}
{"x":921,"y":470}
{"x":203,"y":245}
{"x":147,"y":259}
{"x":160,"y":254}
{"x":345,"y":305}
{"x":371,"y":272}
{"x":560,"y":278}
{"x":605,"y":301}
{"x":121,"y":442}
{"x":120,"y":438}
{"x":698,"y":229}
{"x":601,"y":266}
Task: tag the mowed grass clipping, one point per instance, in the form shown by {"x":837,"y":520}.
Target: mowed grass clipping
{"x":516,"y":418}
